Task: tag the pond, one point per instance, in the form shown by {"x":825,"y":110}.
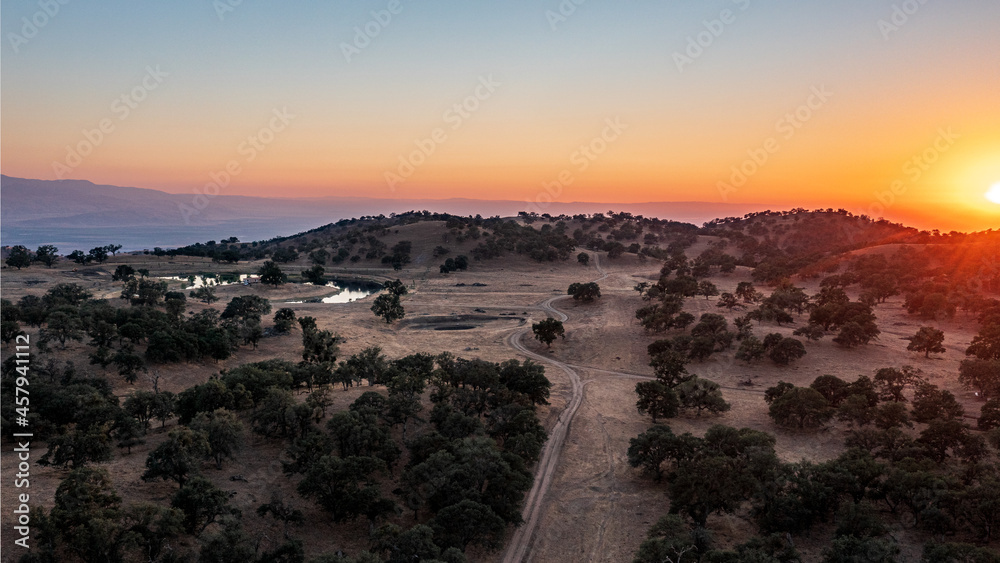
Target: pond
{"x":194,"y":282}
{"x":349,"y":291}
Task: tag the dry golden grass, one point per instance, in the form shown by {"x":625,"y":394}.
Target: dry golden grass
{"x":598,"y":508}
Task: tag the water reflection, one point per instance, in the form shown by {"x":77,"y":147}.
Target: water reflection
{"x":348,"y":292}
{"x":194,"y":282}
{"x":347,"y":295}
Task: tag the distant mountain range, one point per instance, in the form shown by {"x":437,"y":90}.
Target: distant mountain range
{"x":77,"y":214}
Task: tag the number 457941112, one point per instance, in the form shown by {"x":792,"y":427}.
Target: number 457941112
{"x":23,"y":359}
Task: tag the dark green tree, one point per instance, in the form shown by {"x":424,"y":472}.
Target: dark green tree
{"x":982,"y":375}
{"x":415,"y":544}
{"x":943,"y":436}
{"x":707,"y":289}
{"x":927,"y":340}
{"x":175,"y":302}
{"x":396,"y":287}
{"x":737,"y":460}
{"x":890,"y":382}
{"x":177,"y":457}
{"x":468,"y":522}
{"x":319,"y":347}
{"x":271,"y":274}
{"x":205,"y":294}
{"x":473,"y":468}
{"x":800,"y":407}
{"x":10,"y":314}
{"x":319,"y":257}
{"x":18,"y":257}
{"x":231,"y":544}
{"x":78,"y":447}
{"x":284,"y":320}
{"x":79,"y":256}
{"x":314,"y":275}
{"x":729,"y":301}
{"x":369,"y":365}
{"x":389,"y":307}
{"x":892,"y":415}
{"x":615,"y":250}
{"x":281,"y":511}
{"x":651,"y":449}
{"x":958,"y":553}
{"x":701,"y":395}
{"x":201,"y":502}
{"x":669,"y":367}
{"x":548,"y":330}
{"x":657,"y":399}
{"x":833,"y":389}
{"x":669,"y":540}
{"x":139,"y":405}
{"x":223,"y":431}
{"x":746,"y":292}
{"x":98,"y":254}
{"x":47,"y":254}
{"x":129,"y":363}
{"x":980,"y":506}
{"x":278,"y":414}
{"x":128,"y":433}
{"x":585,"y":292}
{"x":930,"y":403}
{"x":144,"y":292}
{"x":527,"y":379}
{"x":786,"y":351}
{"x":989,"y":415}
{"x":986,"y":344}
{"x":751,"y":350}
{"x":284,"y":254}
{"x":854,"y":334}
{"x":357,"y":434}
{"x":87,"y":514}
{"x":811,"y":332}
{"x":346,"y":487}
{"x":123,"y":272}
{"x":164,"y":403}
{"x":62,"y":325}
{"x":852,"y":549}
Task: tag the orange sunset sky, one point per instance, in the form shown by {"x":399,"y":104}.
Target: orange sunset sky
{"x":887,"y":108}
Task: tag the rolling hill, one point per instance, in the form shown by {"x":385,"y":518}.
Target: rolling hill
{"x":77,"y":214}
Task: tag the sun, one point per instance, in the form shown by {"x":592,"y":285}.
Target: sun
{"x":994,"y":193}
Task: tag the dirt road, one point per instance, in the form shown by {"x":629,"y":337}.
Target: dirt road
{"x":519,"y":545}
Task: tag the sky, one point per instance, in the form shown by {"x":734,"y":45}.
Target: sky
{"x":889,"y":108}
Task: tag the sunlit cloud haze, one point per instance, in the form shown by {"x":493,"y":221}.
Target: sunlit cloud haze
{"x":889,"y":108}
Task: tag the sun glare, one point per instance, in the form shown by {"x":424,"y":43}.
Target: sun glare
{"x":994,"y":193}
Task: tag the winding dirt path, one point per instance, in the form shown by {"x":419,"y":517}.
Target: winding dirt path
{"x":519,"y":546}
{"x":517,"y":549}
